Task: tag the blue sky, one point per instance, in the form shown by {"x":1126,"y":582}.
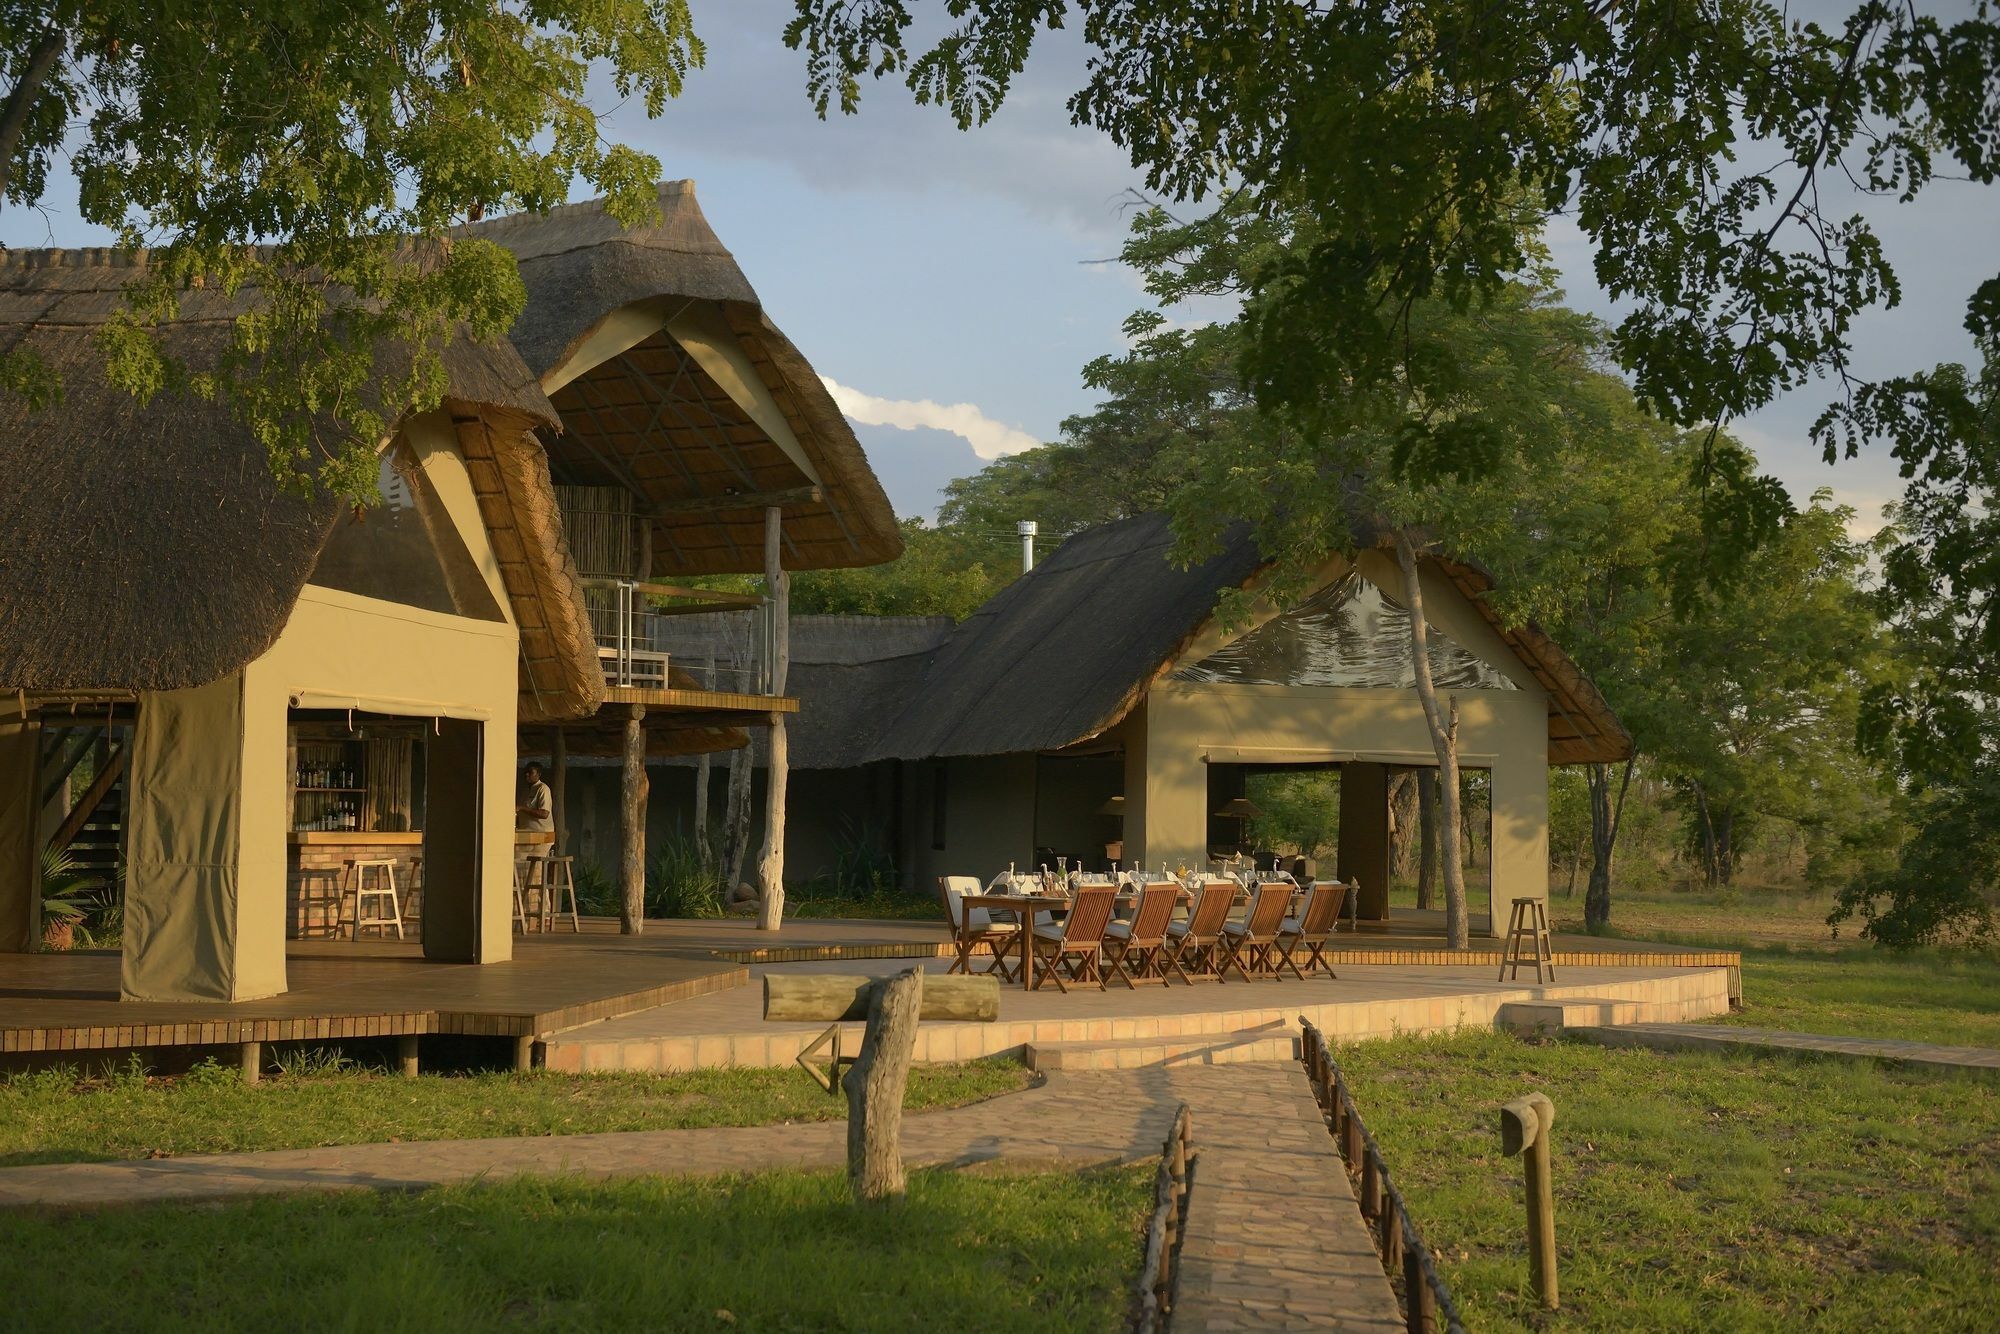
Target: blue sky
{"x":961,"y":278}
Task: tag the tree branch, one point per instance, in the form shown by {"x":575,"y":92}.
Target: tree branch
{"x":21,"y":99}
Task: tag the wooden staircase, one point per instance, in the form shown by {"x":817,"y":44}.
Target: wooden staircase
{"x":93,"y":833}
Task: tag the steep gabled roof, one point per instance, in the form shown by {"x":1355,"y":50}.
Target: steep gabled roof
{"x":654,"y":417}
{"x":147,"y":546}
{"x":1064,"y":653}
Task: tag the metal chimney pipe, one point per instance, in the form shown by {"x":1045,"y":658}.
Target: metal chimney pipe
{"x":1026,"y":528}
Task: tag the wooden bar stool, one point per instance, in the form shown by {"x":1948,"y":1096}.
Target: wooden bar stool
{"x":530,"y":884}
{"x":382,"y":891}
{"x":413,"y":895}
{"x":1529,"y":924}
{"x":558,"y":880}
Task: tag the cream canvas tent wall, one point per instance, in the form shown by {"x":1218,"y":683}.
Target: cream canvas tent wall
{"x":1105,"y":673}
{"x":150,"y":568}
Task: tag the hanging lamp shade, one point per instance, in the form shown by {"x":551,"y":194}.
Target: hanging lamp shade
{"x":1112,"y":806}
{"x":1241,"y":808}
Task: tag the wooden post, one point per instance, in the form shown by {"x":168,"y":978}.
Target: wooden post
{"x":406,"y":1054}
{"x":1419,"y":1303}
{"x":771,"y":867}
{"x":632,"y":825}
{"x":704,"y":846}
{"x":558,"y":789}
{"x":252,"y":1056}
{"x":524,"y":1053}
{"x":1525,"y":1125}
{"x":875,"y":1084}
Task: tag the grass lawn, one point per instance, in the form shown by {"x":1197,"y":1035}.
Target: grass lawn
{"x":1924,"y":996}
{"x":1725,"y":919}
{"x":52,"y":1116}
{"x":1697,"y":1191}
{"x":780,"y":1250}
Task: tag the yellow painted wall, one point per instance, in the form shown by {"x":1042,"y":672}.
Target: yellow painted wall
{"x":1185,"y":723}
{"x":210,"y":812}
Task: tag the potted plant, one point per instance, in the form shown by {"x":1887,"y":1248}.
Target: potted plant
{"x":66,"y":891}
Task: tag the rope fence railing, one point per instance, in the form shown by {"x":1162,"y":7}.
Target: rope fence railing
{"x":1427,"y":1303}
{"x":1170,"y":1188}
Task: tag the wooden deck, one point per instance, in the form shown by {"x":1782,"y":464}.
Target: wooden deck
{"x":69,"y":1002}
{"x":340,"y":989}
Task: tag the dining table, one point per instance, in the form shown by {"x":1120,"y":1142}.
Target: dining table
{"x":1027,"y":905}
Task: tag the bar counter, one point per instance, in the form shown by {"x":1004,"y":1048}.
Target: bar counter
{"x":316,"y":907}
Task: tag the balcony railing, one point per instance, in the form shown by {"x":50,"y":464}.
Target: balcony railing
{"x":650,"y":634}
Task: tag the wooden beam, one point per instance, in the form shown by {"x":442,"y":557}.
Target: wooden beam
{"x":742,"y":500}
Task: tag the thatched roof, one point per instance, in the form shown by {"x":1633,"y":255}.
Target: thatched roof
{"x":1063,"y":654}
{"x":147,"y":547}
{"x":651,"y":418}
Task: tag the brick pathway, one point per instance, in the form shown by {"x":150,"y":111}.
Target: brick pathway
{"x":1273,"y":1237}
{"x":1683,"y":1037}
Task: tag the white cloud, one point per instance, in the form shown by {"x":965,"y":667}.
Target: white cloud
{"x":989,"y":439}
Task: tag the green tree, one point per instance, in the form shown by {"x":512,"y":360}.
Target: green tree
{"x":1765,"y":689}
{"x":1690,"y":146}
{"x":1940,"y":726}
{"x":316,"y":156}
{"x":938,"y":574}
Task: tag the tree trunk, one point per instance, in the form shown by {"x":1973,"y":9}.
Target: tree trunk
{"x":704,"y":845}
{"x":1606,"y":812}
{"x":1443,"y":725}
{"x":632,"y":818}
{"x":704,"y":765}
{"x":771,"y":867}
{"x":875,"y":1084}
{"x":1725,"y":846}
{"x":736,"y":817}
{"x":1427,"y":839}
{"x":1402,"y":822}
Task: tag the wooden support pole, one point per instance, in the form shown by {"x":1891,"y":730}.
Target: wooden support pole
{"x":252,"y":1056}
{"x":524,"y":1053}
{"x":771,"y":867}
{"x":558,"y":789}
{"x":1525,"y":1126}
{"x":836,"y":997}
{"x":875,"y":1085}
{"x":632,"y":825}
{"x":406,"y":1055}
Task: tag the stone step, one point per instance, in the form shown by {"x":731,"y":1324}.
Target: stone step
{"x":1134,"y":1053}
{"x":1533,"y":1018}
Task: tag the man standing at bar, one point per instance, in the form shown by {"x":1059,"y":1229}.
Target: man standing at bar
{"x":535,"y":810}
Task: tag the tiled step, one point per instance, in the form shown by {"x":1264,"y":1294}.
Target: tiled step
{"x":1133,"y":1053}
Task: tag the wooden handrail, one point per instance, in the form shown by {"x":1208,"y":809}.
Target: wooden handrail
{"x":1427,"y":1303}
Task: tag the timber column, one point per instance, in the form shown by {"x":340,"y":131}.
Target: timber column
{"x":632,"y":824}
{"x":771,"y":866}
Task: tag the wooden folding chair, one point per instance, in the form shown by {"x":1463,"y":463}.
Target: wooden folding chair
{"x":973,"y":927}
{"x":1250,"y":941}
{"x":1078,"y":942}
{"x":1312,"y":928}
{"x":1198,"y":940}
{"x":1133,"y":948}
